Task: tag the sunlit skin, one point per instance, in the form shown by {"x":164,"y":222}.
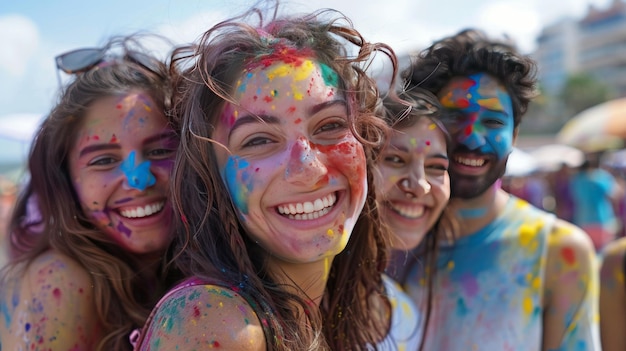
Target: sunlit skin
{"x":412,"y":182}
{"x":119,"y":164}
{"x":479,"y":116}
{"x":297,"y":176}
{"x":120,"y":167}
{"x":289,"y":146}
{"x":563,"y":293}
{"x":613,"y":296}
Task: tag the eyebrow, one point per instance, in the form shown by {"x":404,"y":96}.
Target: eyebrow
{"x":110,"y":146}
{"x":269,"y":119}
{"x":443,"y":156}
{"x":98,"y":147}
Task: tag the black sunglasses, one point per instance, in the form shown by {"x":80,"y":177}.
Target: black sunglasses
{"x":82,"y":60}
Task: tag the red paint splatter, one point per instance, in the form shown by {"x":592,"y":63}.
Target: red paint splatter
{"x":468,"y":130}
{"x":80,"y":290}
{"x":257,"y":169}
{"x":255,"y":98}
{"x":95,"y":137}
{"x":428,"y":142}
{"x":268,"y":99}
{"x":292,"y":109}
{"x":568,"y":255}
{"x":196,"y":311}
{"x":56,"y":293}
{"x":216,"y":344}
{"x":118,"y":106}
{"x":113,"y":139}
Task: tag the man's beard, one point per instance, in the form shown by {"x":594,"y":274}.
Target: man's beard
{"x":469,"y":186}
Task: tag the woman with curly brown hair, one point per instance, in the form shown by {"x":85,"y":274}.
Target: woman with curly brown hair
{"x":273,"y":190}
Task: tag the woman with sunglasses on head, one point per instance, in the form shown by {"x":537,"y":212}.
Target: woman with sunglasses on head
{"x":279,"y":229}
{"x":87,"y":269}
{"x":413,"y":187}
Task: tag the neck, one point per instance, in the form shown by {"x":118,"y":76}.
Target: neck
{"x":307,"y":279}
{"x":474,"y":214}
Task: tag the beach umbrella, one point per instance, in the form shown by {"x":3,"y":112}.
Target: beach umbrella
{"x":601,"y":127}
{"x":551,"y":157}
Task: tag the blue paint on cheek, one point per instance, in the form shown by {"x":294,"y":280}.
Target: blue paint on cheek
{"x":139,"y":177}
{"x":238,"y":181}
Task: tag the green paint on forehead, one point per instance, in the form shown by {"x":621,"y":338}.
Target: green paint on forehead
{"x":331,"y":78}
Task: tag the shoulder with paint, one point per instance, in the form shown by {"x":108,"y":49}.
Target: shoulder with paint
{"x":54,"y":287}
{"x":204,"y":316}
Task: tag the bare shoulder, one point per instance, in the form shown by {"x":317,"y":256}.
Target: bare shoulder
{"x":613,"y":254}
{"x":53,"y":265}
{"x":205,"y":316}
{"x":54,"y":287}
{"x":567,"y":239}
{"x":571,"y":260}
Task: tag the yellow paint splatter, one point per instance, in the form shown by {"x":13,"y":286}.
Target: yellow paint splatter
{"x":450,"y":265}
{"x":527,"y":305}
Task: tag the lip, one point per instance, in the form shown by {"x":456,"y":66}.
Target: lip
{"x":470,"y":169}
{"x":147,"y":220}
{"x":398,"y":217}
{"x":327,"y":220}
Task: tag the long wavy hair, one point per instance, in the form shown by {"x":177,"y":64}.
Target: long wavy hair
{"x":472,"y":51}
{"x":213,"y":243}
{"x":403,"y":110}
{"x":48,"y":214}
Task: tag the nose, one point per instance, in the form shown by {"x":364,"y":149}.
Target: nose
{"x":415,"y":184}
{"x":137,"y":176}
{"x":471,"y":138}
{"x":304,"y":165}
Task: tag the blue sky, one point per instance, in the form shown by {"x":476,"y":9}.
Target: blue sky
{"x":32,"y":32}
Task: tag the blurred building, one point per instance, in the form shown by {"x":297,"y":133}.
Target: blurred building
{"x":594,"y":44}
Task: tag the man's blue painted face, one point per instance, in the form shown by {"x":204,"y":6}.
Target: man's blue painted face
{"x":479,"y":115}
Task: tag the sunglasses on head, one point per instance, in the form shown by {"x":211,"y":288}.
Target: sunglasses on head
{"x":82,"y":60}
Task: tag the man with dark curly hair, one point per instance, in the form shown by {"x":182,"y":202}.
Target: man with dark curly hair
{"x":516,"y":277}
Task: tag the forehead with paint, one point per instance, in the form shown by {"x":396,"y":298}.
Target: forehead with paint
{"x":479,"y":113}
{"x":282,"y":80}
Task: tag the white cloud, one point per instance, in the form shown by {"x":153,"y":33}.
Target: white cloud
{"x":19,"y":39}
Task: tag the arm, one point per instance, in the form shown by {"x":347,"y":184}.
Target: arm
{"x":53,"y":307}
{"x":570,"y":318}
{"x":613,"y":297}
{"x":202,"y":317}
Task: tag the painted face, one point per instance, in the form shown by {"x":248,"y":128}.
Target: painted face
{"x":296,"y":173}
{"x":479,"y":115}
{"x":412,"y":182}
{"x":120,"y":167}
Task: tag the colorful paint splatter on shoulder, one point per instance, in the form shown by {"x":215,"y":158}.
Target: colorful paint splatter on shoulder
{"x":494,"y":281}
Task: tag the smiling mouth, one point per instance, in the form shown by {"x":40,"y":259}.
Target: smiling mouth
{"x":143,"y":211}
{"x":470,"y":162}
{"x":407,"y":211}
{"x":310,"y":209}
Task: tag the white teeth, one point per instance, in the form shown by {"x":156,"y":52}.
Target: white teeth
{"x":470,"y":161}
{"x":308,"y":210}
{"x":409,"y":211}
{"x":140,"y":212}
